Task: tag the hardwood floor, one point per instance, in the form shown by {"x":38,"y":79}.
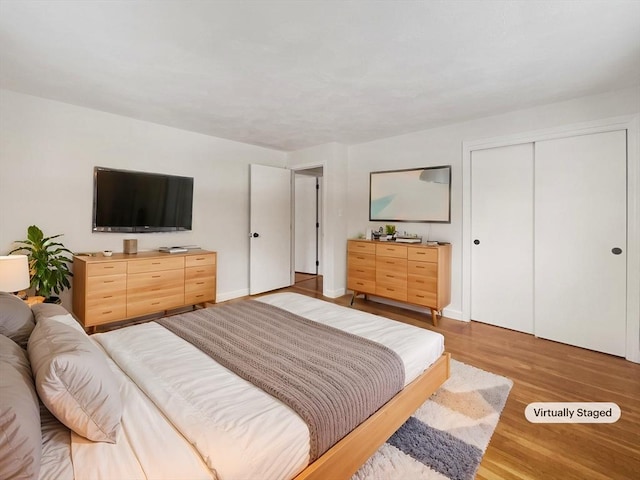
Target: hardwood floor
{"x":542,"y":371}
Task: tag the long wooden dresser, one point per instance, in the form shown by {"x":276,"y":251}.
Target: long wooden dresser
{"x":416,"y":274}
{"x":120,"y":287}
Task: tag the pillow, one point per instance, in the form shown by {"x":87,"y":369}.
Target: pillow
{"x":44,"y":310}
{"x":16,"y":319}
{"x":55,"y":312}
{"x":74,"y":380}
{"x":20,"y":435}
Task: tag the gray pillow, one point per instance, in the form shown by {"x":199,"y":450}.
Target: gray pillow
{"x":55,"y":312}
{"x":43,"y":310}
{"x":20,"y":435}
{"x":16,"y":319}
{"x":74,"y":380}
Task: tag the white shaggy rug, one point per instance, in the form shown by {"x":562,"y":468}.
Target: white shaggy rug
{"x":448,"y":435}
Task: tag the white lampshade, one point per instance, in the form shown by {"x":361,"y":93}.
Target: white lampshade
{"x":14,"y":273}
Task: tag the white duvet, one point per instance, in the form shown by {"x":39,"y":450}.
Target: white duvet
{"x":186,"y":417}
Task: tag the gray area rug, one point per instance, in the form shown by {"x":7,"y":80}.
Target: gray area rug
{"x":448,"y":435}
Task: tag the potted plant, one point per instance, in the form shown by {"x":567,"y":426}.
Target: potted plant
{"x":390,"y":230}
{"x":48,"y":265}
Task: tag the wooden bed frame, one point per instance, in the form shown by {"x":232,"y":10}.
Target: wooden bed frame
{"x":345,"y":458}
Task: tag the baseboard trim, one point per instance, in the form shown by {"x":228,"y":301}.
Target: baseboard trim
{"x":334,"y":293}
{"x":223,"y":297}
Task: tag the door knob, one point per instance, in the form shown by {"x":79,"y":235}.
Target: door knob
{"x":616,"y":251}
{"x":255,"y":235}
{"x":476,"y":242}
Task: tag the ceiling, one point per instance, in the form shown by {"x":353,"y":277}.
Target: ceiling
{"x":293,"y":74}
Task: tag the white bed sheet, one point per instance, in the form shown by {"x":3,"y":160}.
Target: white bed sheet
{"x":238,"y":429}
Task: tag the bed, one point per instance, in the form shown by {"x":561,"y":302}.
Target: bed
{"x":183,"y":415}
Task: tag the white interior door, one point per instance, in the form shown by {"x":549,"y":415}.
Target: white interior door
{"x":580,"y":215}
{"x":502,"y":236}
{"x":270,"y":229}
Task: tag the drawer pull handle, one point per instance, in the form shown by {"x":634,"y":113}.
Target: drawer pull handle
{"x":109,"y":281}
{"x":107,"y":312}
{"x":155,"y":303}
{"x":420,"y":296}
{"x":155,"y":263}
{"x":108,"y":266}
{"x":360,"y":271}
{"x":419,"y":266}
{"x":391,"y":276}
{"x":199,"y":271}
{"x":199,"y":283}
{"x":359,"y":283}
{"x":200,"y":258}
{"x":360,"y":258}
{"x":108,"y":296}
{"x":391,"y":289}
{"x":201,"y":295}
{"x":155,"y":276}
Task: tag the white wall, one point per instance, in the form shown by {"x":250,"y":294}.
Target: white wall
{"x":47,"y":153}
{"x":443,"y":146}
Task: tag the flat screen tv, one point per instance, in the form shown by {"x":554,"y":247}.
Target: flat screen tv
{"x":411,"y":195}
{"x":138,"y":202}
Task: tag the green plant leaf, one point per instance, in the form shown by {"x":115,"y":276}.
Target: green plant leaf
{"x":48,"y":265}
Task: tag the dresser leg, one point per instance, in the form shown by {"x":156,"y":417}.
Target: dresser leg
{"x":353,"y":297}
{"x":434,"y":317}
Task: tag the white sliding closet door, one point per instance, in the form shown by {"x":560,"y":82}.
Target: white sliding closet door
{"x":502,"y":236}
{"x":580,"y":223}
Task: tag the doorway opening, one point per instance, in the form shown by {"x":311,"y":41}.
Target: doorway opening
{"x":308,"y":228}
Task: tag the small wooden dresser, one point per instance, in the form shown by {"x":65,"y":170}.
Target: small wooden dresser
{"x":120,"y":287}
{"x":416,"y":274}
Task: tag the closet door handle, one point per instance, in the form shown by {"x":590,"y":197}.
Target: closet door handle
{"x":476,"y":242}
{"x":616,"y":251}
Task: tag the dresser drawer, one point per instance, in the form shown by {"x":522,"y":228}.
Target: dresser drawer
{"x":202,"y":271}
{"x":423,"y":269}
{"x":391,"y":265}
{"x":423,"y":254}
{"x":198,"y":297}
{"x":391,"y":250}
{"x":422,"y":284}
{"x":155,"y":284}
{"x":104,"y":312}
{"x":356,"y":260}
{"x":154,"y":304}
{"x":393,"y":292}
{"x":361,"y":285}
{"x":111,"y":285}
{"x":361,"y":247}
{"x":200,"y":260}
{"x":362,"y":273}
{"x":422,"y":298}
{"x":155,"y":264}
{"x":106,"y":268}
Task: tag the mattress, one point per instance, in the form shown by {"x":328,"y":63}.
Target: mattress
{"x":212,"y":423}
